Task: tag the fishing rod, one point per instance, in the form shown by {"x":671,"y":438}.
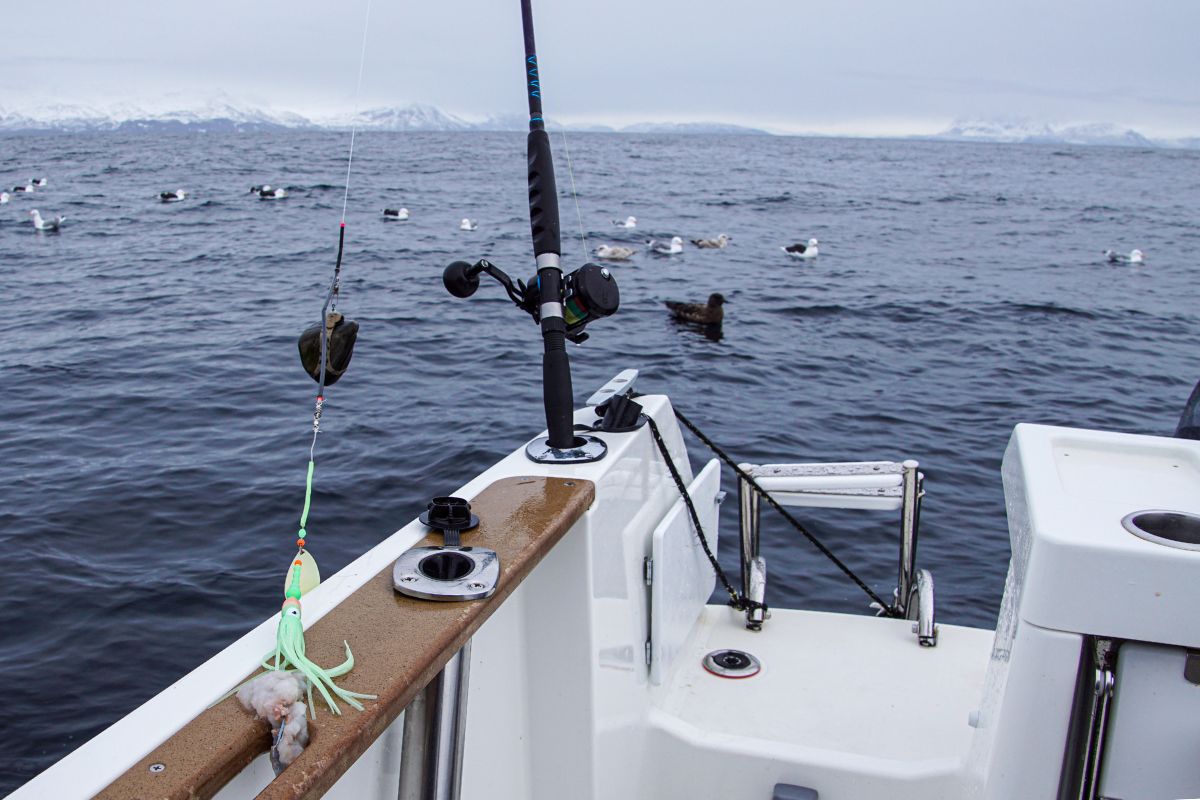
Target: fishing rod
{"x":562,"y":305}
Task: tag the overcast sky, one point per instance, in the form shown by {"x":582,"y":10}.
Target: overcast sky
{"x":852,"y":66}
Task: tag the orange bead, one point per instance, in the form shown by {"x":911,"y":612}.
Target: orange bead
{"x":298,"y":562}
{"x":299,"y":543}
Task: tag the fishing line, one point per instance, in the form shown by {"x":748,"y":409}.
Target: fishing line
{"x":362,"y":60}
{"x":325,"y":351}
{"x":582,"y":236}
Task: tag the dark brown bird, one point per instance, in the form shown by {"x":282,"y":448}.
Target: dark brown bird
{"x":710,"y":313}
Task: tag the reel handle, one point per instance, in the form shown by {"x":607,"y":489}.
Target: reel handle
{"x":461,"y":279}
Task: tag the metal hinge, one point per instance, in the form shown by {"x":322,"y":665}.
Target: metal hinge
{"x":648,"y":571}
{"x":647,"y":652}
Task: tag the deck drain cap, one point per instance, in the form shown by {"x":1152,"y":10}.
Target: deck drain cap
{"x":732,"y":664}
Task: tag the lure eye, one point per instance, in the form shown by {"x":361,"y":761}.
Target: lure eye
{"x":293,"y":612}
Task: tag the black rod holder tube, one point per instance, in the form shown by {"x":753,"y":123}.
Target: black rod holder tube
{"x":547,"y":250}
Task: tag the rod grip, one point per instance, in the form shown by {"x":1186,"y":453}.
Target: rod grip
{"x":543,"y":196}
{"x":556,"y":388}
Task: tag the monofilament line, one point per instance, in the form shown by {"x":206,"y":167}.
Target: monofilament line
{"x":362,"y":60}
{"x":582,"y":236}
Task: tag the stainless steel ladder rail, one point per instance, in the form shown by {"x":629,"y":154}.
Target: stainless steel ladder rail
{"x":878,"y":485}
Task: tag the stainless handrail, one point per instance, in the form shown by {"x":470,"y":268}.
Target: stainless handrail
{"x":434,"y":732}
{"x":913,"y":595}
{"x":910,"y":518}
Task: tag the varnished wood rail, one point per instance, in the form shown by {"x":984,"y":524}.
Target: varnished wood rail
{"x":399,"y":644}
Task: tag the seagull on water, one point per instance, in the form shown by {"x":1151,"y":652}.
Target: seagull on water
{"x":710,"y":313}
{"x":802,"y":250}
{"x":395,"y":213}
{"x":26,"y":188}
{"x":1134,"y":257}
{"x":38,"y":181}
{"x":614,"y":252}
{"x":48,"y":225}
{"x":664,"y":249}
{"x":713,"y":244}
{"x":630,"y":222}
{"x":266,"y":192}
{"x":467,"y":225}
{"x":172,"y":197}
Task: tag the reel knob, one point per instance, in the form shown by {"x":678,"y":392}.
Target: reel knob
{"x":460,"y":279}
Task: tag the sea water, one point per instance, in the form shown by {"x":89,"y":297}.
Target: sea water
{"x":156,"y":418}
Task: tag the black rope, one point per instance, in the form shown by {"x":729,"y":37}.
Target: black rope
{"x":738,"y":601}
{"x":889,"y":609}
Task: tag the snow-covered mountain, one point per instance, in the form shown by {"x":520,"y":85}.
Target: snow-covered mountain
{"x":415,"y":117}
{"x":692,"y":128}
{"x":212,"y":116}
{"x":1029,"y":132}
{"x":222,"y":114}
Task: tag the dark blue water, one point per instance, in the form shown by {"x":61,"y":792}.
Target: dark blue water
{"x":156,"y":418}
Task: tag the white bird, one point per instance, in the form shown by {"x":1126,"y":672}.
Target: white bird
{"x":802,"y":250}
{"x":614,"y":252}
{"x":712,"y":244}
{"x":663,"y":249}
{"x":46,"y":224}
{"x":467,"y":225}
{"x":38,"y":181}
{"x":1134,"y":257}
{"x":630,"y":222}
{"x":395,"y":213}
{"x":26,"y":188}
{"x":3,"y":198}
{"x":172,"y":197}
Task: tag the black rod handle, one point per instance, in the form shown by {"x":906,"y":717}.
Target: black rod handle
{"x":556,"y":387}
{"x":543,"y":196}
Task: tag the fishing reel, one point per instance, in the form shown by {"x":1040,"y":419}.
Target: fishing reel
{"x":339,"y":334}
{"x":588,"y":294}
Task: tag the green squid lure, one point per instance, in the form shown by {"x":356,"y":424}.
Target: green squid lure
{"x":289,"y":652}
{"x":303,"y":576}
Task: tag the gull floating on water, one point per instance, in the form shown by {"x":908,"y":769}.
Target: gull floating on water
{"x":614,"y":252}
{"x":3,"y":198}
{"x":802,"y":250}
{"x":395,"y":213}
{"x":265,"y":192}
{"x":467,"y":225}
{"x":664,"y":249}
{"x":26,"y":188}
{"x":710,"y":313}
{"x":712,"y":244}
{"x":630,"y":222}
{"x":172,"y":197}
{"x":48,"y":225}
{"x":38,"y":181}
{"x":1134,"y":257}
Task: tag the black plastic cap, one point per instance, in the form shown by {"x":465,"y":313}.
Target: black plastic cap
{"x":459,"y":280}
{"x":596,"y":285}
